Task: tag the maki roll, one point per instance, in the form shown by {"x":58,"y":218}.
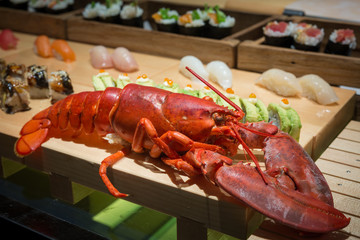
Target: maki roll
{"x":191,"y":24}
{"x":189,"y":90}
{"x":230,"y":94}
{"x":18,"y":4}
{"x":91,"y":11}
{"x":169,"y":85}
{"x":37,"y":5}
{"x":102,"y":80}
{"x":166,"y":20}
{"x":59,"y":6}
{"x":60,"y":85}
{"x":109,"y":12}
{"x":123,"y":80}
{"x":144,"y":80}
{"x":14,"y":96}
{"x":308,"y":39}
{"x":220,"y":25}
{"x":254,"y":109}
{"x":341,"y":41}
{"x":278,"y":33}
{"x":131,"y":15}
{"x":38,"y":81}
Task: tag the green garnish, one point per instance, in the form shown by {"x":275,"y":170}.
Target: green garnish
{"x":195,"y":15}
{"x":164,"y":13}
{"x":220,"y":15}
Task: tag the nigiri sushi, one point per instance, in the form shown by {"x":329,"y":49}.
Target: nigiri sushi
{"x":42,"y":46}
{"x":8,"y":39}
{"x":317,"y":89}
{"x":195,"y":64}
{"x":123,"y":60}
{"x":220,"y":73}
{"x":100,"y":57}
{"x":60,"y":85}
{"x":281,"y":82}
{"x":62,"y":50}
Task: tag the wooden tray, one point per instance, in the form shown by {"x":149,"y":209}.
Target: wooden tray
{"x":53,"y":25}
{"x":161,"y":43}
{"x":254,"y":55}
{"x":149,"y":182}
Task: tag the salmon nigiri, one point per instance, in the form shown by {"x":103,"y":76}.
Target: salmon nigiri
{"x":62,"y":50}
{"x":42,"y":46}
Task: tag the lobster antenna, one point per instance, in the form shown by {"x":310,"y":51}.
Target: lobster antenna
{"x":214,"y":89}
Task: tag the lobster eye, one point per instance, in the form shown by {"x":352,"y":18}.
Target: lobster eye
{"x":218,"y":118}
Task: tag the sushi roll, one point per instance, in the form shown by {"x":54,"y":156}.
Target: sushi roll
{"x":131,"y":15}
{"x":254,"y":109}
{"x":109,"y":12}
{"x":123,"y":80}
{"x":169,"y":85}
{"x":278,"y":33}
{"x":58,"y":6}
{"x":18,"y":4}
{"x":103,"y":80}
{"x":60,"y":85}
{"x":166,"y":20}
{"x":308,"y":39}
{"x":230,"y":94}
{"x":341,"y":41}
{"x":37,"y":80}
{"x":14,"y":90}
{"x":191,"y":24}
{"x":220,"y":25}
{"x":189,"y":90}
{"x":37,"y":5}
{"x":145,"y":81}
{"x":91,"y":11}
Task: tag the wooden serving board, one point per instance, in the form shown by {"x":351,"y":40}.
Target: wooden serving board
{"x":149,"y":182}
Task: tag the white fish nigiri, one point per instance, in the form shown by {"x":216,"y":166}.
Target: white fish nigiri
{"x":281,"y":82}
{"x":100,"y":57}
{"x":317,"y":89}
{"x":220,"y":73}
{"x":196,"y":65}
{"x":123,"y":60}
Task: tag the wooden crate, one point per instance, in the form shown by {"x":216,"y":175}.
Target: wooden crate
{"x":161,"y":43}
{"x":254,"y":55}
{"x":53,"y":25}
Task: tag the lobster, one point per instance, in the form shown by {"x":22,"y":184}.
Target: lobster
{"x":196,"y":136}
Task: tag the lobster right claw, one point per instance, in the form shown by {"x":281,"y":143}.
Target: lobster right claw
{"x":287,"y":206}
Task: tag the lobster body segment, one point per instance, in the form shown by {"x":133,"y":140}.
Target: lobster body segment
{"x":194,"y":136}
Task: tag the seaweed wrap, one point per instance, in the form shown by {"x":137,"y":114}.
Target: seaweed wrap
{"x":220,"y":24}
{"x":131,"y":15}
{"x":109,"y":12}
{"x":308,"y":39}
{"x":278,"y":33}
{"x":37,"y":80}
{"x":191,"y":24}
{"x":166,"y":20}
{"x":341,"y":41}
{"x":91,"y":11}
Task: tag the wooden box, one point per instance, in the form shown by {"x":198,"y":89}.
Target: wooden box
{"x":254,"y":55}
{"x":53,"y":25}
{"x":161,"y":43}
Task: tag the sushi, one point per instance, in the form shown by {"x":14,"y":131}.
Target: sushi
{"x":145,"y":81}
{"x":206,"y":92}
{"x":317,"y":89}
{"x":123,"y":60}
{"x":14,"y":95}
{"x":220,"y":73}
{"x":131,"y":15}
{"x":109,"y":12}
{"x":8,"y":40}
{"x":254,"y":109}
{"x":281,"y":82}
{"x":62,"y":51}
{"x":278,"y":33}
{"x":123,"y":80}
{"x":308,"y":39}
{"x":37,"y":5}
{"x":102,"y":80}
{"x":18,"y":4}
{"x":100,"y":57}
{"x":59,"y":6}
{"x":37,"y":80}
{"x":169,"y":85}
{"x":166,"y":20}
{"x":341,"y":41}
{"x":230,"y":94}
{"x":220,"y":25}
{"x":60,"y":85}
{"x":195,"y":64}
{"x":189,"y":90}
{"x":42,"y":46}
{"x":91,"y":11}
{"x":191,"y":24}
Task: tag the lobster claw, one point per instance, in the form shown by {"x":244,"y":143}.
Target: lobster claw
{"x":287,"y":206}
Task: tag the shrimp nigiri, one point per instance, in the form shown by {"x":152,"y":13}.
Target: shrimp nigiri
{"x":62,"y":50}
{"x":42,"y":46}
